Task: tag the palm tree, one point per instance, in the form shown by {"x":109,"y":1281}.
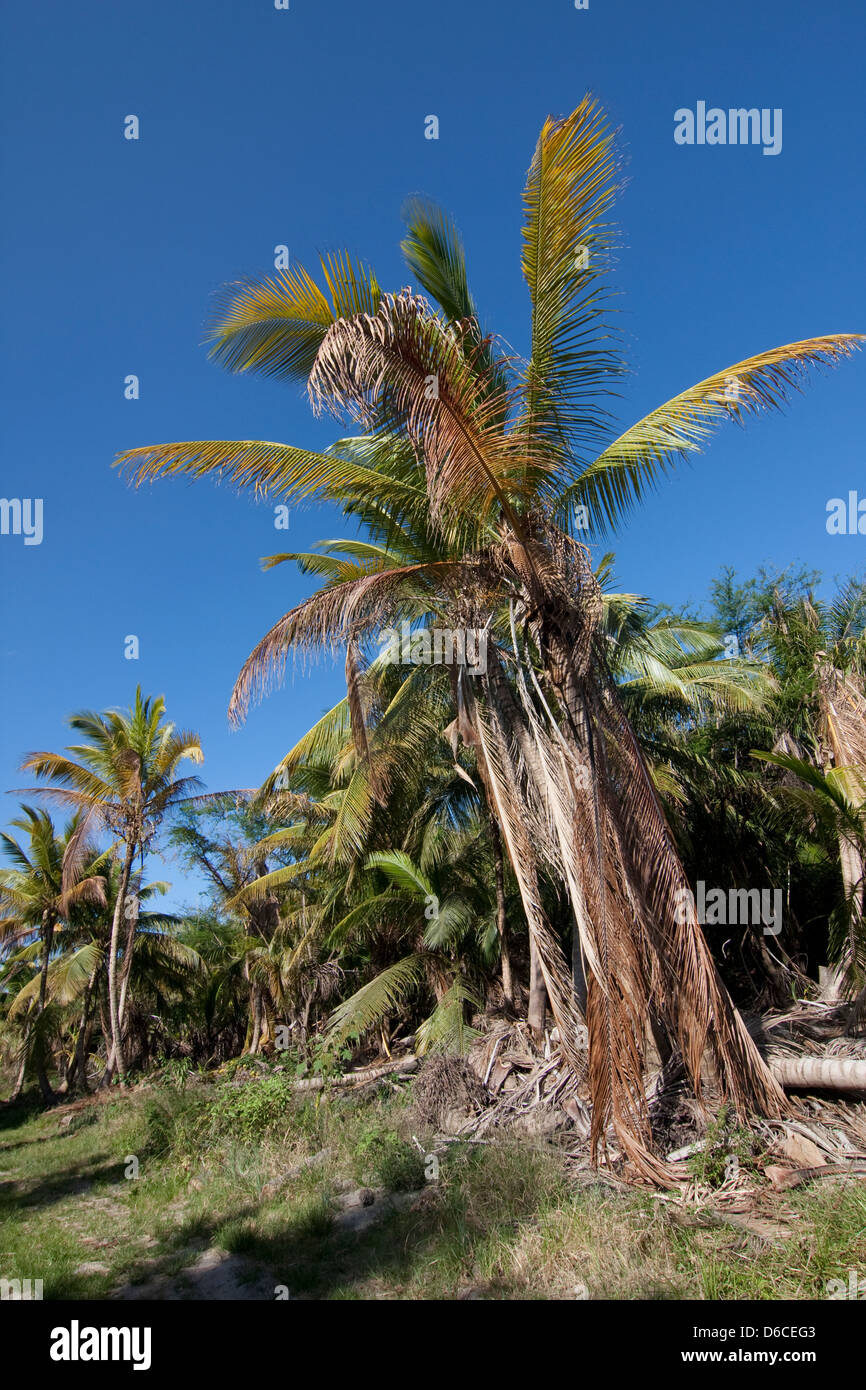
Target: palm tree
{"x":225,"y":840}
{"x":50,"y":878}
{"x":833,"y":802}
{"x":819,"y":649}
{"x":123,"y":776}
{"x":506,"y":465}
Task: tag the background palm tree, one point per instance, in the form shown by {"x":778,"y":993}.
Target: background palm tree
{"x":123,"y":777}
{"x":50,"y":877}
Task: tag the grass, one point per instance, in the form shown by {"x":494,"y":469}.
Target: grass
{"x":502,"y":1220}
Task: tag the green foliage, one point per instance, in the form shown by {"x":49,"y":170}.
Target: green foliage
{"x":165,"y":1123}
{"x":727,"y":1147}
{"x":253,"y":1110}
{"x":177,"y":1071}
{"x":392,"y":1162}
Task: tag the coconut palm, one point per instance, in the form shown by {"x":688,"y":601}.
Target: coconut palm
{"x":507,"y":465}
{"x":124,"y":778}
{"x":226,"y":841}
{"x":50,"y":877}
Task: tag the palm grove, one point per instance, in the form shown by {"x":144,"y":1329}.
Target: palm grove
{"x":450,"y":842}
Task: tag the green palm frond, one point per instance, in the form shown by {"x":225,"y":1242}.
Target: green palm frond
{"x":446,"y":1030}
{"x":399,"y":869}
{"x":569,"y":191}
{"x":276,"y":326}
{"x":450,"y":921}
{"x":634,"y":464}
{"x":434,"y":253}
{"x":373,"y":1002}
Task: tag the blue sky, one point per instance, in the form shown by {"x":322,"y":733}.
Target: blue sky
{"x":306,"y":128}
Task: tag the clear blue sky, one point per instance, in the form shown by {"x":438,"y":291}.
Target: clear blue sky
{"x":306,"y":127}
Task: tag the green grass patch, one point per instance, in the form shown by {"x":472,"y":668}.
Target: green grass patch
{"x":501,"y":1220}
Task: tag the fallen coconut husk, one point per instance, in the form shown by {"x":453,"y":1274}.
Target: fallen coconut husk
{"x":447,"y":1089}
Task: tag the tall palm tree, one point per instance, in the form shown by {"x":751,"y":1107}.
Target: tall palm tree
{"x":507,"y":464}
{"x":124,"y":777}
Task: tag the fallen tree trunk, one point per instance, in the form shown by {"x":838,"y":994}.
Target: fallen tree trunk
{"x":358,"y":1078}
{"x":820,"y":1073}
{"x":783,"y":1178}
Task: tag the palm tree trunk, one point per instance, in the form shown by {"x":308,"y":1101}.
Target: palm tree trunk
{"x":19,"y":1080}
{"x":45,"y":1088}
{"x":47,"y":942}
{"x":537,"y":1009}
{"x":851,"y":862}
{"x":79,"y":1064}
{"x":501,"y":917}
{"x":115,"y":1059}
{"x":257,"y":1020}
{"x":820,"y":1073}
{"x":48,"y":924}
{"x":126,"y":969}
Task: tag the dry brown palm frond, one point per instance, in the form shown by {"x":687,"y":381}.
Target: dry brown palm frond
{"x":330,"y":619}
{"x":497,"y":766}
{"x":75,"y":855}
{"x":692,"y":996}
{"x":842,"y":727}
{"x":571,"y":778}
{"x":405,"y":368}
{"x":615,"y":858}
{"x":843,"y":719}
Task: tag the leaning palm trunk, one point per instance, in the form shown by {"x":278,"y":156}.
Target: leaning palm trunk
{"x":47,"y":943}
{"x":79,"y":1064}
{"x":126,"y":967}
{"x":573,"y":794}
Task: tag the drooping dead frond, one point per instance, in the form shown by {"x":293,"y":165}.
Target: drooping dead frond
{"x":497,"y":768}
{"x":842,"y":711}
{"x":329,"y":620}
{"x":603,"y":836}
{"x":687,"y":987}
{"x":403,"y":367}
